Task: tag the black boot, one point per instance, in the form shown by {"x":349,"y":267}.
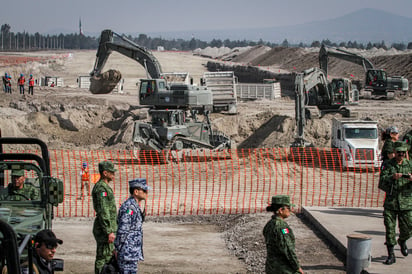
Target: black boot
{"x":391,"y":255}
{"x":404,"y":248}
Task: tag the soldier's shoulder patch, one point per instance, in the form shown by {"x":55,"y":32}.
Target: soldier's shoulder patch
{"x":285,"y":231}
{"x":103,"y":194}
{"x":130,"y":212}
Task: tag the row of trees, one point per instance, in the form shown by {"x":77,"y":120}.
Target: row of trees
{"x":11,"y":41}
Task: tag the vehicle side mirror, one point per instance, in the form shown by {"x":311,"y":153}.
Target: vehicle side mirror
{"x":55,"y":191}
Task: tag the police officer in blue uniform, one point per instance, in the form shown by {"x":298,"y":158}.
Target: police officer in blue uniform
{"x":129,"y":237}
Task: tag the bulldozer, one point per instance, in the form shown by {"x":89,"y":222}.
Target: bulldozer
{"x":20,"y":216}
{"x":174,"y":107}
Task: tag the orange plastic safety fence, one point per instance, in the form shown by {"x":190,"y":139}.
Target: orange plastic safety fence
{"x":199,"y":182}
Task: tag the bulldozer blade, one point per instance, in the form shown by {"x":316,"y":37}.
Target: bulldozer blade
{"x":104,"y":83}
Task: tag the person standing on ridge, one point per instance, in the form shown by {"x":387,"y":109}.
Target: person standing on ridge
{"x":21,"y":81}
{"x":31,"y":84}
{"x":5,"y":82}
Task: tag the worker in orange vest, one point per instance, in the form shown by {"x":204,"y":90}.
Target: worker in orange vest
{"x":85,"y":179}
{"x":31,"y":84}
{"x":21,"y":82}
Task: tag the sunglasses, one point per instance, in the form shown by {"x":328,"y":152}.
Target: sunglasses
{"x":50,"y":246}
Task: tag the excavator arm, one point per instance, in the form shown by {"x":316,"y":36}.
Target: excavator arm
{"x":310,"y":85}
{"x":324,"y":54}
{"x":105,"y":82}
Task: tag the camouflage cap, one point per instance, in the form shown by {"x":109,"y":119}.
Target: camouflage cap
{"x":139,"y":183}
{"x":17,"y":172}
{"x":282,"y":200}
{"x":400,"y":146}
{"x":394,"y":129}
{"x":106,"y":165}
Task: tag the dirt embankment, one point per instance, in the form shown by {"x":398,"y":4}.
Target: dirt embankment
{"x":71,"y":118}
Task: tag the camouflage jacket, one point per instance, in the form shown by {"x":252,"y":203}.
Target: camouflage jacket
{"x":408,"y":140}
{"x":28,"y":191}
{"x":280,"y":246}
{"x":387,"y":148}
{"x":398,"y":192}
{"x":129,"y":237}
{"x":106,"y":212}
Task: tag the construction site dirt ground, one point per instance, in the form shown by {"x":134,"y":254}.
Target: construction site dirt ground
{"x":71,"y":118}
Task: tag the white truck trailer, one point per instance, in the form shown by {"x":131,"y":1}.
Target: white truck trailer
{"x":357,"y":142}
{"x":223,"y":86}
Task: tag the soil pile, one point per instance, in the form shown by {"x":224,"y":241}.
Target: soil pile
{"x":71,"y":118}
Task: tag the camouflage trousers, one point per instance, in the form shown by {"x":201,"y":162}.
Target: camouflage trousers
{"x":127,"y":267}
{"x":104,"y":252}
{"x":405,"y":225}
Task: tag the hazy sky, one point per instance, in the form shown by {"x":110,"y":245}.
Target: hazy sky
{"x":143,"y":16}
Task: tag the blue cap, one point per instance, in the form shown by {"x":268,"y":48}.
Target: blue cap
{"x":21,"y":74}
{"x":84,"y":164}
{"x":31,"y":75}
{"x":139,"y":183}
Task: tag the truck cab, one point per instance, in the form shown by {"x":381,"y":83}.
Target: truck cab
{"x":357,"y":142}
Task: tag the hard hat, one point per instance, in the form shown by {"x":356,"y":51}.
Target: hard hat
{"x":21,"y":74}
{"x":84,"y":164}
{"x":31,"y":75}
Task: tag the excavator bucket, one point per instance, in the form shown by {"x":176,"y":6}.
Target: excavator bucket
{"x":104,"y":83}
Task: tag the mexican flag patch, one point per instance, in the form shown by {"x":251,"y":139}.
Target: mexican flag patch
{"x":285,"y":231}
{"x":129,"y":211}
{"x":104,"y":194}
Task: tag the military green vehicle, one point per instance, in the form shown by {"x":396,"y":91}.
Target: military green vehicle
{"x":377,"y":83}
{"x":24,"y":213}
{"x":174,"y":106}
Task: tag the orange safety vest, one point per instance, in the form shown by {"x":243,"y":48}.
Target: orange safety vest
{"x":85,"y":174}
{"x":21,"y":81}
{"x":31,"y":82}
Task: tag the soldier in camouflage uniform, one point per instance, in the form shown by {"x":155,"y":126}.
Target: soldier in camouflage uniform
{"x":105,"y":226}
{"x":280,"y":241}
{"x":395,"y":180}
{"x":387,"y":148}
{"x":408,"y":140}
{"x":19,"y":191}
{"x":129,"y":237}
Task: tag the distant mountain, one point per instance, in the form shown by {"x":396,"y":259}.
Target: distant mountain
{"x":365,"y":25}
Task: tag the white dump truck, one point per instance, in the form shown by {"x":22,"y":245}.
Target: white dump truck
{"x":223,"y":86}
{"x":357,"y":141}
